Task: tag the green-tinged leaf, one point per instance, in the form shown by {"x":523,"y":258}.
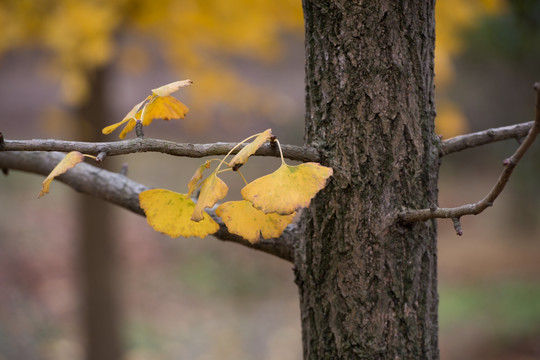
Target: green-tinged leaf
{"x":170,"y":213}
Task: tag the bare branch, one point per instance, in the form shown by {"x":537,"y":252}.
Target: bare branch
{"x":476,"y":208}
{"x":136,"y":145}
{"x":462,"y":142}
{"x":120,"y":190}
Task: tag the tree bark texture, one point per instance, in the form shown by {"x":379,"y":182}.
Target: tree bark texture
{"x":368,"y":285}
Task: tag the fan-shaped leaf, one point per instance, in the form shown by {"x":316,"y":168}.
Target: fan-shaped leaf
{"x":168,"y":89}
{"x":213,"y":189}
{"x":243,"y":219}
{"x":169,"y":213}
{"x":68,"y":162}
{"x":163,"y":107}
{"x":250,"y":149}
{"x":287,"y":189}
{"x":159,"y":105}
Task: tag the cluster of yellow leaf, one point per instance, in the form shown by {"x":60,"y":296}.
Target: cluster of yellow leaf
{"x":159,"y":105}
{"x":270,"y":202}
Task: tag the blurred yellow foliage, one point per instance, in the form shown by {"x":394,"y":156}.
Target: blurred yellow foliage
{"x":453,"y":17}
{"x":84,"y":35}
{"x":196,"y":36}
{"x":450,"y":119}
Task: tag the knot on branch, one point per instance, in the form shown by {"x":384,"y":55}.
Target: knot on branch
{"x":101,"y":156}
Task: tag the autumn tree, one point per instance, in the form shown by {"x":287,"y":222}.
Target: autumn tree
{"x":364,"y":252}
{"x":202,"y":40}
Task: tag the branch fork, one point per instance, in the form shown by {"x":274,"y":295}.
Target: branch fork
{"x":476,"y":139}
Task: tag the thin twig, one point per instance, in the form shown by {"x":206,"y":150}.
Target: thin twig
{"x":139,"y":129}
{"x":457,"y":226}
{"x":120,"y":190}
{"x":462,"y":142}
{"x":292,"y":152}
{"x":476,"y":208}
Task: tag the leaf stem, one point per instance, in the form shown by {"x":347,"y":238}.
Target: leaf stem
{"x":237,"y":171}
{"x":280,"y":153}
{"x":234,"y":148}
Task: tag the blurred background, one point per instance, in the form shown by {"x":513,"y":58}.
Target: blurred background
{"x":81,"y":279}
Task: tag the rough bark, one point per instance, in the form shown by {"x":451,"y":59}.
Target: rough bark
{"x":367,"y":284}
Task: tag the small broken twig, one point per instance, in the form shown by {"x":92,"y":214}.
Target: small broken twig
{"x":101,"y":156}
{"x":457,"y":226}
{"x":124,"y":169}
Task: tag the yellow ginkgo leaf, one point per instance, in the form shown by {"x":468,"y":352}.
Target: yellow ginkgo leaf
{"x":130,"y":118}
{"x":243,"y":219}
{"x":212,"y":190}
{"x":169,"y":213}
{"x":163,"y":107}
{"x":250,"y":149}
{"x":109,"y":129}
{"x":168,"y":89}
{"x":192,"y":185}
{"x":159,"y":105}
{"x":287,"y":189}
{"x":68,"y":162}
{"x":130,"y":126}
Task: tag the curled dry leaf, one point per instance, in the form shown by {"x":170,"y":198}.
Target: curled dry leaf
{"x":213,"y":189}
{"x":170,"y":213}
{"x":168,"y":89}
{"x":250,"y":149}
{"x":241,"y":218}
{"x":287,"y":189}
{"x":192,"y":185}
{"x":68,"y":162}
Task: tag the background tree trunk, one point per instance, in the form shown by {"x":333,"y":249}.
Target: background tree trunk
{"x":97,"y":256}
{"x":368,"y":286}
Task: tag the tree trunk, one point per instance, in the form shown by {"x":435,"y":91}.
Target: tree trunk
{"x":368,"y":286}
{"x":97,"y":247}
